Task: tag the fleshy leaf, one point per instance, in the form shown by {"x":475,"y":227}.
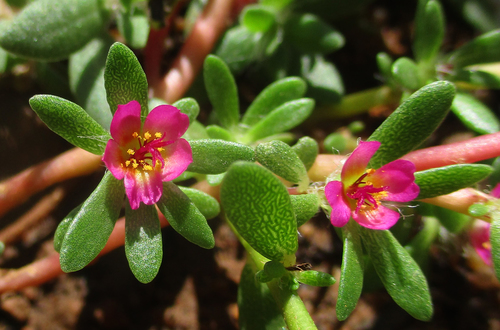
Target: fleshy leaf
{"x":307,"y":149}
{"x":184,"y":216}
{"x":351,"y":272}
{"x":206,"y":204}
{"x":222,"y":91}
{"x":257,"y":18}
{"x":404,"y":129}
{"x":447,"y":179}
{"x":219,"y":133}
{"x":495,"y":241}
{"x":63,"y":226}
{"x":400,"y":274}
{"x":384,"y":64}
{"x":90,"y":229}
{"x":405,"y":72}
{"x":429,"y":30}
{"x":483,"y":49}
{"x":477,"y":78}
{"x":215,"y":156}
{"x":257,"y":308}
{"x":274,"y":95}
{"x":86,"y":79}
{"x":71,"y":122}
{"x":314,"y":278}
{"x":124,"y":79}
{"x":474,"y":114}
{"x":283,"y":161}
{"x":305,"y":207}
{"x":143,"y":242}
{"x":281,"y":119}
{"x":51,"y":30}
{"x":323,"y":78}
{"x":259,"y":207}
{"x":453,"y":221}
{"x":134,"y":26}
{"x":189,"y":107}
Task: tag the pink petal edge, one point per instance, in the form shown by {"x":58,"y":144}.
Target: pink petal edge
{"x":112,"y":158}
{"x":355,"y":165}
{"x":125,"y":122}
{"x":143,"y":187}
{"x":381,"y":218}
{"x":341,"y":211}
{"x":178,"y":156}
{"x":398,"y":176}
{"x":168,"y":120}
{"x":496,"y":191}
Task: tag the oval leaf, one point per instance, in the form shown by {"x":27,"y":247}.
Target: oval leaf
{"x":483,"y":49}
{"x":314,"y":278}
{"x":307,"y":149}
{"x":495,"y":241}
{"x":405,"y":72}
{"x":206,"y":204}
{"x":429,"y":31}
{"x":184,"y":216}
{"x":474,"y":114}
{"x":259,"y":207}
{"x":124,"y":79}
{"x":305,"y":207}
{"x":447,"y":179}
{"x":63,"y":226}
{"x":71,"y":122}
{"x":215,"y":156}
{"x":405,"y":128}
{"x":143,"y":243}
{"x":189,"y":107}
{"x":257,"y":18}
{"x":90,"y":229}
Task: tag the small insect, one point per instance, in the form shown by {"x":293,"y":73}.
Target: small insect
{"x":300,"y":267}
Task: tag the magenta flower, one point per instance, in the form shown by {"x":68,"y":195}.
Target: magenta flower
{"x":360,"y":192}
{"x":145,"y":155}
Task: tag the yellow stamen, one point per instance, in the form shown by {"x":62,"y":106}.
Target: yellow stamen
{"x":127,"y":163}
{"x":147,"y":135}
{"x":130,"y":152}
{"x":147,"y":167}
{"x":370,"y":171}
{"x":158,"y":164}
{"x":158,"y":135}
{"x":160,"y":149}
{"x":135,"y":135}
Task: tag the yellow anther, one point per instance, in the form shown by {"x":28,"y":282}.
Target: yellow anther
{"x":134,"y":165}
{"x":130,"y":152}
{"x":370,"y":171}
{"x":160,"y":149}
{"x":158,"y":135}
{"x":127,"y":163}
{"x":158,"y":164}
{"x":147,"y":135}
{"x":147,"y":167}
{"x":135,"y":135}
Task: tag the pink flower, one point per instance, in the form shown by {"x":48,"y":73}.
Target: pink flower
{"x":480,"y":240}
{"x":360,"y":192}
{"x":145,"y":155}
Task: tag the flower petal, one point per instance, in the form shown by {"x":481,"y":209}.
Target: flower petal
{"x":168,"y":120}
{"x":398,"y":178}
{"x":496,"y":191}
{"x":143,"y":186}
{"x":341,"y":211}
{"x":355,"y":165}
{"x":125,"y":122}
{"x":480,"y":240}
{"x":113,"y":159}
{"x":380,"y":218}
{"x":178,"y":156}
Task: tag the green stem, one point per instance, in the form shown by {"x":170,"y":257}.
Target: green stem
{"x":294,"y":311}
{"x":357,"y":103}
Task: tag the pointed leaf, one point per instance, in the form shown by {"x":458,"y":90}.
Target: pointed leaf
{"x":400,"y":274}
{"x":124,"y":79}
{"x":215,"y":156}
{"x":447,"y":179}
{"x":429,"y":31}
{"x":305,"y":207}
{"x":143,"y":243}
{"x":259,"y":207}
{"x":206,"y":204}
{"x":52,"y":30}
{"x":88,"y":233}
{"x":483,"y":49}
{"x":281,"y":119}
{"x":184,"y":216}
{"x":222,"y":91}
{"x":274,"y":95}
{"x":404,"y":129}
{"x":71,"y":122}
{"x":474,"y":114}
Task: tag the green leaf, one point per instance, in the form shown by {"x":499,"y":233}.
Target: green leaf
{"x":310,"y":34}
{"x":274,"y":95}
{"x":404,"y":129}
{"x":405,"y":72}
{"x":63,"y":226}
{"x":429,"y":31}
{"x":71,"y":122}
{"x":124,"y":79}
{"x":305,"y":207}
{"x":86,"y":79}
{"x":184,"y":216}
{"x":325,"y":82}
{"x":189,"y":107}
{"x":215,"y":156}
{"x":257,"y":308}
{"x":283,"y":161}
{"x":314,"y":278}
{"x":307,"y":149}
{"x":483,"y":49}
{"x":218,"y":133}
{"x":474,"y":114}
{"x":52,"y":30}
{"x":134,"y":27}
{"x":259,"y":207}
{"x":421,"y":243}
{"x":222,"y":91}
{"x":215,"y":179}
{"x":400,"y":274}
{"x":351,"y":272}
{"x":276,"y":4}
{"x":447,"y":179}
{"x":90,"y":229}
{"x":143,"y":243}
{"x":257,"y":18}
{"x":495,"y":241}
{"x":281,"y":119}
{"x":195,"y":131}
{"x":206,"y":204}
{"x":384,"y":64}
{"x":453,"y":221}
{"x":477,"y":78}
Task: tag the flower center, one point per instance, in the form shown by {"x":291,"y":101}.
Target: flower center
{"x":366,"y":195}
{"x":148,"y":155}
